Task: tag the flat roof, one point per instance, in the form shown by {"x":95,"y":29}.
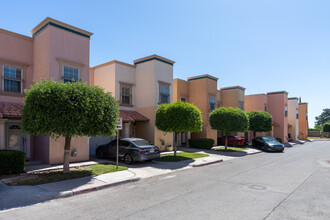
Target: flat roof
{"x":292,"y":98}
{"x":278,"y":92}
{"x":113,"y":62}
{"x":10,"y":33}
{"x":232,"y":87}
{"x":154,"y":57}
{"x":205,"y":76}
{"x":52,"y":22}
{"x":256,"y":94}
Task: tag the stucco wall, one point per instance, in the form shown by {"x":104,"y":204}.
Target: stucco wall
{"x":17,"y":51}
{"x":255,"y":102}
{"x":104,"y":77}
{"x":276,"y":107}
{"x":180,"y":90}
{"x":145,"y":85}
{"x":125,"y":74}
{"x":303,"y":122}
{"x":56,"y":151}
{"x":292,"y":119}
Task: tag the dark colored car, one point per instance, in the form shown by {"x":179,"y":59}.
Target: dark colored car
{"x":267,"y":144}
{"x":231,"y":140}
{"x":130,"y":150}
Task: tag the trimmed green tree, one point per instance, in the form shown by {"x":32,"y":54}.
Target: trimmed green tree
{"x":178,"y":117}
{"x":259,"y":121}
{"x":323,"y":117}
{"x":229,"y":120}
{"x":66,"y":110}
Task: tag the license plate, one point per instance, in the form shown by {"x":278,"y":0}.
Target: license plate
{"x":151,"y":150}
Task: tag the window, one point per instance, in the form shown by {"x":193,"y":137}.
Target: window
{"x":164,"y":94}
{"x":212,"y":103}
{"x":70,"y":74}
{"x":183,"y":99}
{"x":297,"y":114}
{"x":241,"y":105}
{"x":126,"y":95}
{"x":12,"y":79}
{"x":286,"y":111}
{"x":265,"y":108}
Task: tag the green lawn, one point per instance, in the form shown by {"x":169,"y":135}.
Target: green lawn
{"x":231,"y":149}
{"x":49,"y":176}
{"x":180,"y":157}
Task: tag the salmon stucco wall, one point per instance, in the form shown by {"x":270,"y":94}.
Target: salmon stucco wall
{"x":276,"y":107}
{"x":303,"y":121}
{"x":293,"y":122}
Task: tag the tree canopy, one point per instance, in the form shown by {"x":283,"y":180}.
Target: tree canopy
{"x":323,"y":117}
{"x":260,"y":121}
{"x":69,"y":109}
{"x":178,"y":117}
{"x":229,"y":120}
{"x":326,"y":127}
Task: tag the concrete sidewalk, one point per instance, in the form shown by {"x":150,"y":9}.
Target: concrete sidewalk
{"x":16,"y":196}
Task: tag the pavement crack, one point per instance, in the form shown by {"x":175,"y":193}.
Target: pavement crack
{"x":291,"y":193}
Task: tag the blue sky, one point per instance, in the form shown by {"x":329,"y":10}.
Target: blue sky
{"x":261,"y":45}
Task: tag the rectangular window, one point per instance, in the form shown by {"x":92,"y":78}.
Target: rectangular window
{"x":164,"y":94}
{"x":241,"y":105}
{"x":12,"y":79}
{"x":70,"y":74}
{"x":286,"y":111}
{"x":125,"y":95}
{"x":265,"y":108}
{"x":212,"y":102}
{"x":183,"y":99}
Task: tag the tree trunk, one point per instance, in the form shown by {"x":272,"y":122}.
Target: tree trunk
{"x":66,"y":159}
{"x":226,"y":141}
{"x":175,"y":143}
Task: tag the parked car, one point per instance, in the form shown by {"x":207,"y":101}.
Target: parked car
{"x":232,"y":140}
{"x":130,"y":150}
{"x":266,"y":143}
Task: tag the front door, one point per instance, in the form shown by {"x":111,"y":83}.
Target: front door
{"x":16,"y":139}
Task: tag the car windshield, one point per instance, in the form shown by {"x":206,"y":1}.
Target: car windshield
{"x":141,"y":142}
{"x":269,"y":139}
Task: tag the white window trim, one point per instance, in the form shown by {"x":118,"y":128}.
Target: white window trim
{"x":3,"y":78}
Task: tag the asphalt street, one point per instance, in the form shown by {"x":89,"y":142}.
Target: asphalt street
{"x":289,"y":185}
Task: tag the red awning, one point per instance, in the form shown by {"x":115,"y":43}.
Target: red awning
{"x":10,"y":109}
{"x":132,"y":116}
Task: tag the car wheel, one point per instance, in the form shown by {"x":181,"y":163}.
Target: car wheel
{"x":234,"y":144}
{"x":99,"y":154}
{"x":128,"y":159}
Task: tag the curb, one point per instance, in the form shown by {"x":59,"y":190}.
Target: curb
{"x":92,"y":189}
{"x":254,"y":153}
{"x":207,"y":163}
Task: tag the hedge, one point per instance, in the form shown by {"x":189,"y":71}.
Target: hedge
{"x":203,"y":143}
{"x":12,"y":161}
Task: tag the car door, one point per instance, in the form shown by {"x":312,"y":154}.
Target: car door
{"x":111,"y":149}
{"x":123,"y":148}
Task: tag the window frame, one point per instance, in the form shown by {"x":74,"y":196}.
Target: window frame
{"x":165,"y":84}
{"x":243,"y":105}
{"x":214,"y":103}
{"x":13,"y":79}
{"x":68,"y":66}
{"x":127,"y":85}
{"x":285,"y":111}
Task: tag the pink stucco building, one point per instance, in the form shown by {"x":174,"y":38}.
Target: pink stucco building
{"x":55,"y":50}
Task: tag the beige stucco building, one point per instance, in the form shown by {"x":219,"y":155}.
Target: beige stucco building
{"x":293,"y":122}
{"x":139,"y":88}
{"x":55,"y":50}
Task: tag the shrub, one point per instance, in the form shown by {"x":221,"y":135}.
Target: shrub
{"x":12,"y":161}
{"x":326,"y":127}
{"x":279,"y":140}
{"x":203,"y":143}
{"x":314,"y":129}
